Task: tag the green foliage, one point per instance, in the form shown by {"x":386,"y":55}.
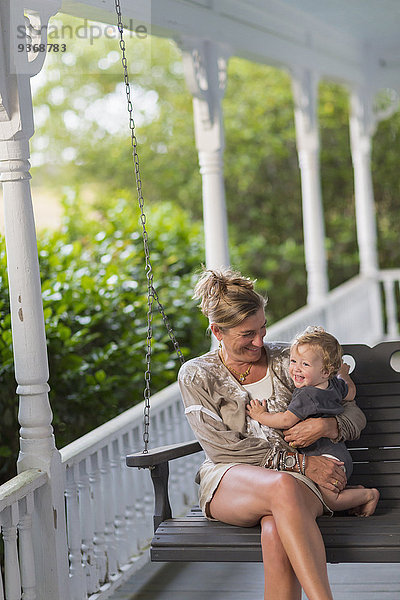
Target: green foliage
{"x":385,"y":159}
{"x":337,"y":183}
{"x":94,"y":291}
{"x":263,"y":185}
{"x":74,"y":94}
{"x":9,"y":405}
{"x":262,"y":177}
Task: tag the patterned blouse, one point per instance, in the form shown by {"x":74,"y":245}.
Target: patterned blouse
{"x":215,"y":405}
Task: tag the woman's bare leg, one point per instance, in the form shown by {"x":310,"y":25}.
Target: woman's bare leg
{"x":247,"y":493}
{"x":281,"y":582}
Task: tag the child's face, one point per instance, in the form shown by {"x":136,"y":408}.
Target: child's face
{"x":306,"y":367}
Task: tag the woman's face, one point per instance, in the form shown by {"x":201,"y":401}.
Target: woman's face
{"x":244,"y":342}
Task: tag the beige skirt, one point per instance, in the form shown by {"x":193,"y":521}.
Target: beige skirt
{"x":210,"y":475}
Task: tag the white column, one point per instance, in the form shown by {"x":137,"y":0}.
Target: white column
{"x":205,"y":66}
{"x":362,"y":127}
{"x":305,"y":92}
{"x":37,"y":444}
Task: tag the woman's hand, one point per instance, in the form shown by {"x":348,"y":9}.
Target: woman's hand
{"x":326,"y":472}
{"x":309,"y":431}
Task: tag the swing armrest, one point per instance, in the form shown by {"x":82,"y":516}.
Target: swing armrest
{"x":162,"y":454}
{"x":157,"y":461}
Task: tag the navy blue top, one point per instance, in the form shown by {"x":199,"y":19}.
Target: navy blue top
{"x":311,"y":401}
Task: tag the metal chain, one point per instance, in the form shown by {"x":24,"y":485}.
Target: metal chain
{"x":151,"y":292}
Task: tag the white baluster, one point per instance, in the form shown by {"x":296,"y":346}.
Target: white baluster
{"x":138,"y":493}
{"x":1,"y":586}
{"x":172,"y":436}
{"x":109,"y":512}
{"x":148,"y":498}
{"x":155,"y":430}
{"x":87,"y":529}
{"x":170,"y":433}
{"x":391,"y":309}
{"x":176,"y":486}
{"x":164,"y":435}
{"x":189,"y":463}
{"x":99,"y":518}
{"x":128,"y":476}
{"x":119,"y":502}
{"x":27,"y":562}
{"x":77,"y":579}
{"x":11,"y":564}
{"x":147,"y":490}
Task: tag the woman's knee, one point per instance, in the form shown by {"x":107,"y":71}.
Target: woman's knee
{"x":276,"y":561}
{"x":272,"y":489}
{"x":270,"y":540}
{"x":287,"y":490}
{"x":293,"y":494}
{"x":285,"y":487}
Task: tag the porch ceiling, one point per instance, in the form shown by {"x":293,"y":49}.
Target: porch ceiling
{"x":375,"y":21}
{"x":355,"y":41}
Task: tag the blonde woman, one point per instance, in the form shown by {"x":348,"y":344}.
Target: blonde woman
{"x":246,"y":479}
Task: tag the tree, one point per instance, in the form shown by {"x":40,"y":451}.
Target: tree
{"x":94,"y":292}
{"x":261,"y":166}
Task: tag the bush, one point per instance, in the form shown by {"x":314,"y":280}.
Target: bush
{"x":95,"y":305}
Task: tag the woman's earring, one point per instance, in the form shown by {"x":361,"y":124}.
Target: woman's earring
{"x":220,"y":344}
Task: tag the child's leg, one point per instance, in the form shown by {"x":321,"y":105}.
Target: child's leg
{"x":362,"y":500}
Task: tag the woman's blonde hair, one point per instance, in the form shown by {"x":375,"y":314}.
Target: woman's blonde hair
{"x":226,"y":297}
{"x":325,"y":344}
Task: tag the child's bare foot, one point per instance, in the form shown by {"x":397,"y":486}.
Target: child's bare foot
{"x":368,"y":508}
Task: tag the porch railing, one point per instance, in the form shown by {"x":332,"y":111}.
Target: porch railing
{"x":109,"y":507}
{"x":18,"y":501}
{"x":362,"y":310}
{"x":390,"y":289}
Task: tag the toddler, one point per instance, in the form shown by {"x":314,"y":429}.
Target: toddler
{"x":322,"y":381}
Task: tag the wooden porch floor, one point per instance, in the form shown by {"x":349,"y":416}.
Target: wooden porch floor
{"x":244,"y":581}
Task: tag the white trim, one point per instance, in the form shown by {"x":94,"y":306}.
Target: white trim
{"x":199,"y":408}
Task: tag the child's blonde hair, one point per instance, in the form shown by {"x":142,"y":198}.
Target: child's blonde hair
{"x":325,"y":344}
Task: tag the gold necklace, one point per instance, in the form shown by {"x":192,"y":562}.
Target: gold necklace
{"x":241,"y":376}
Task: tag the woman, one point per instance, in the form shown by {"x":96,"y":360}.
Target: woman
{"x":245,"y":479}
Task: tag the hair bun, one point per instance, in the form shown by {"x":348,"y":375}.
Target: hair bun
{"x":225,"y":286}
{"x":215,"y":283}
{"x":218,"y":284}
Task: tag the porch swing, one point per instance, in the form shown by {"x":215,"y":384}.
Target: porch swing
{"x":376,"y":455}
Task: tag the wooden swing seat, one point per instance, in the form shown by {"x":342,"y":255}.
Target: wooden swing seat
{"x":376,"y":457}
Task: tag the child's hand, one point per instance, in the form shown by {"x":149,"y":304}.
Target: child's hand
{"x":255,"y":409}
{"x":343,"y":371}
